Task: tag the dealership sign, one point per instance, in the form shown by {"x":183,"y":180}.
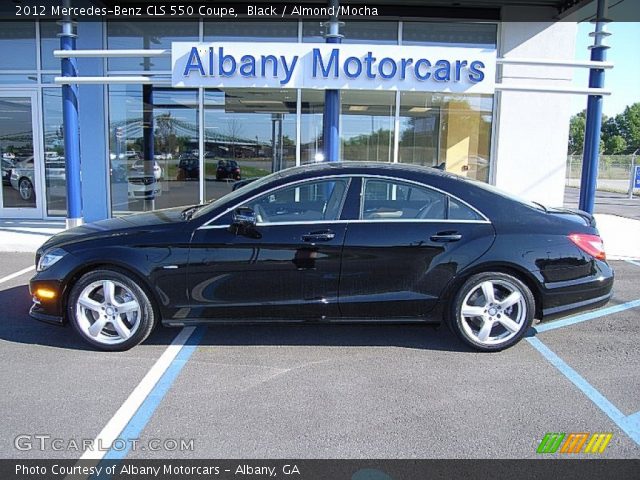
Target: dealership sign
{"x":333,"y":66}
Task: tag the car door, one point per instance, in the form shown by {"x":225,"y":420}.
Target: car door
{"x":405,"y":245}
{"x":287,"y":267}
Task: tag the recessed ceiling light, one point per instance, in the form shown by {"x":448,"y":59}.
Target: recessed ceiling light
{"x":419,"y":109}
{"x":358,"y":108}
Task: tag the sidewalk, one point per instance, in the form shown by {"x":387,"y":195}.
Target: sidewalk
{"x":26,"y":235}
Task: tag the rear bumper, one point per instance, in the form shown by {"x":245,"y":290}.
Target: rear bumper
{"x":569,"y":297}
{"x":564,"y":310}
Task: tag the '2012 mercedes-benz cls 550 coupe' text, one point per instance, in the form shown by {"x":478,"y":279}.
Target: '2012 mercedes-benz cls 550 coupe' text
{"x":344,"y":241}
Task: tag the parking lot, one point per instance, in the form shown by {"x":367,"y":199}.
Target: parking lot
{"x":322,"y":391}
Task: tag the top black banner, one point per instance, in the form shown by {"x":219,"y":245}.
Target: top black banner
{"x":373,"y":10}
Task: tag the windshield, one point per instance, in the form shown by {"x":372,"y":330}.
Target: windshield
{"x":229,"y":197}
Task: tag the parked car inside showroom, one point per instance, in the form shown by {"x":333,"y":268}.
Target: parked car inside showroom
{"x":333,"y":242}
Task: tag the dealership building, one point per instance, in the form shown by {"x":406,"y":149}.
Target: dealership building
{"x":173,"y":112}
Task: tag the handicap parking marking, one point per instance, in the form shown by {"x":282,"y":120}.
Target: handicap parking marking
{"x":138,"y":408}
{"x":586,"y":316}
{"x":630,"y":424}
{"x":17,"y":274}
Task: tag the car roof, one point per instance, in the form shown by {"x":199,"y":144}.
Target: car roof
{"x":355,"y":167}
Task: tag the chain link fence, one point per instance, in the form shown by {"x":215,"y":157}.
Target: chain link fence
{"x":614,"y":172}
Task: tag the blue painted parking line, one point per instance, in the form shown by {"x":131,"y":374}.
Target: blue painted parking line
{"x":629,"y":424}
{"x":148,"y":407}
{"x":633,"y":262}
{"x":587,"y":316}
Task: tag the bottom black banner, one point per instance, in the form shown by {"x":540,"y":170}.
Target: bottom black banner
{"x":319,"y":469}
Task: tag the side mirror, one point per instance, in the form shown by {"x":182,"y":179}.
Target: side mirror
{"x":243,"y":221}
{"x":244,"y":217}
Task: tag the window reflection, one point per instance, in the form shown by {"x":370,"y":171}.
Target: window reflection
{"x":452,"y":132}
{"x":248,"y":133}
{"x":139,"y":182}
{"x":156,"y":34}
{"x":367,"y":125}
{"x":354,"y":32}
{"x":18,"y":45}
{"x":54,"y":160}
{"x":251,"y":31}
{"x":19,"y":182}
{"x":311,"y":140}
{"x":450,"y":34}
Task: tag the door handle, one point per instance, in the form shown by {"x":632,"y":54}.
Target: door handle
{"x":323,"y":236}
{"x":446,"y":237}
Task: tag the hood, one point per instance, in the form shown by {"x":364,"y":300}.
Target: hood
{"x":115,"y":226}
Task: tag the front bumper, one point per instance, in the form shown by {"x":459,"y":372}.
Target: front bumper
{"x":47,"y":310}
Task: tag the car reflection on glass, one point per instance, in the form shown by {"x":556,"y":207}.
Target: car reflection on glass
{"x":228,"y":170}
{"x":143,"y":186}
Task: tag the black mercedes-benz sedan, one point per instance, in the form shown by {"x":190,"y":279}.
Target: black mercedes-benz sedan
{"x":336,"y":242}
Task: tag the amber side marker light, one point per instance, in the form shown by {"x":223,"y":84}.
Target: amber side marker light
{"x":45,"y":293}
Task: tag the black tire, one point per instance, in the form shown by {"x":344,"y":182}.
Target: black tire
{"x":471,"y":296}
{"x":146,"y":316}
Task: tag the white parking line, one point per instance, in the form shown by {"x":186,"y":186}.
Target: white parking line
{"x":17,"y":274}
{"x":119,"y":421}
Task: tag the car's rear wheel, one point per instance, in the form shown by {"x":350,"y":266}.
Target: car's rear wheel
{"x":25,"y":187}
{"x":110,"y":311}
{"x":492,"y":311}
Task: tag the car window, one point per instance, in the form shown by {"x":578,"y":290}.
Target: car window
{"x":460,"y":211}
{"x":310,"y":201}
{"x":394,"y":200}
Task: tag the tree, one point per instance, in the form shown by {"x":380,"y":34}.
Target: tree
{"x":629,"y":125}
{"x":576,"y":133}
{"x":615,"y":145}
{"x":577,"y":127}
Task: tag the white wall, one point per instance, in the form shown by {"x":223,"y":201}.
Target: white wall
{"x":532,"y":129}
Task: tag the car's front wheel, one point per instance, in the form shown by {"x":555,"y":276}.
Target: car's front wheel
{"x":492,"y":311}
{"x":25,"y":187}
{"x":110,"y":311}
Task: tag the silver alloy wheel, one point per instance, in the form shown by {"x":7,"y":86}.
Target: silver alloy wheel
{"x":26,"y":189}
{"x":108,"y":312}
{"x":493,"y":312}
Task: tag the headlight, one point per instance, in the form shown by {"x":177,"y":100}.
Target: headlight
{"x":49,"y":258}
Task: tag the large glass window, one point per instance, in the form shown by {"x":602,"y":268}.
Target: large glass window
{"x":18,"y":45}
{"x":156,"y":34}
{"x":367,"y":125}
{"x":251,"y":31}
{"x":450,"y":34}
{"x":311,"y":139}
{"x":452,"y":132}
{"x":140,"y":181}
{"x":49,"y":41}
{"x":354,"y":32}
{"x":54,"y":161}
{"x":248,"y":133}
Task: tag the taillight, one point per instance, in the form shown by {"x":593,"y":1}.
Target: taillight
{"x":592,"y":244}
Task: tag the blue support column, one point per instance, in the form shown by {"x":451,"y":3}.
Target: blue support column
{"x":591,"y":153}
{"x":71,"y":129}
{"x":331,"y":116}
{"x":94,"y":147}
